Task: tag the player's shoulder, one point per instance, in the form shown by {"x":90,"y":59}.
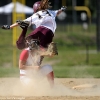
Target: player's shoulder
{"x":39,"y":12}
{"x":34,"y":15}
{"x":24,"y":54}
{"x":25,"y":51}
{"x":52,"y":11}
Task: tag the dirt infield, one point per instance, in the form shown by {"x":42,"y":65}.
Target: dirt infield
{"x":64,"y":89}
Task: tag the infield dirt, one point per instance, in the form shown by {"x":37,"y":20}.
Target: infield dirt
{"x":11,"y":89}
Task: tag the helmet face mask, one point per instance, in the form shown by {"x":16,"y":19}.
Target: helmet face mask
{"x":33,"y":44}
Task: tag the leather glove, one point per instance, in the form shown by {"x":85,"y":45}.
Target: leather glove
{"x":5,"y":27}
{"x":23,"y":24}
{"x":63,"y":8}
{"x":52,"y":49}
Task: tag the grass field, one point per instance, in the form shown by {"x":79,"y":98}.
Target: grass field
{"x":60,"y":71}
{"x":77,"y":56}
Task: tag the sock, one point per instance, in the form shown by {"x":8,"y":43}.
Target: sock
{"x":50,"y":77}
{"x":21,"y":40}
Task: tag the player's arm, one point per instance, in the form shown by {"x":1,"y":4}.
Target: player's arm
{"x":22,"y":23}
{"x":22,"y":65}
{"x":13,"y":25}
{"x":23,"y":59}
{"x":9,"y":26}
{"x":18,"y":23}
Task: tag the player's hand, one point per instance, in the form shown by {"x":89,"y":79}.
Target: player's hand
{"x":23,"y":24}
{"x":5,"y":27}
{"x":63,"y":8}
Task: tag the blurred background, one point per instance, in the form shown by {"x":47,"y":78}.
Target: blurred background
{"x":77,"y":36}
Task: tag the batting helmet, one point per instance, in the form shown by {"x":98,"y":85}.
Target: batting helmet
{"x":33,"y":44}
{"x":36,"y":6}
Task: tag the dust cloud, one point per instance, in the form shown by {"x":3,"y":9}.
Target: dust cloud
{"x":13,"y":87}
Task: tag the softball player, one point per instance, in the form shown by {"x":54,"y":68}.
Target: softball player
{"x":44,"y":19}
{"x":30,"y":64}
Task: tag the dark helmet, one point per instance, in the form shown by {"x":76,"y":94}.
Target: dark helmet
{"x":33,"y":44}
{"x":36,"y":6}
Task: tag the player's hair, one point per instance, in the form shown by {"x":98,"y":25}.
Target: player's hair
{"x":44,"y":4}
{"x":41,"y":5}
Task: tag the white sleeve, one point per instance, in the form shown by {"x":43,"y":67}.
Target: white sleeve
{"x":28,"y":19}
{"x":32,"y":18}
{"x":54,"y":12}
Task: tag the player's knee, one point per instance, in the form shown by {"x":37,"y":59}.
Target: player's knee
{"x":46,"y":69}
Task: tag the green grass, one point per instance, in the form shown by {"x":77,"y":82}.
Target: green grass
{"x":75,"y":35}
{"x":60,"y":71}
{"x":74,"y":57}
{"x":77,"y":71}
{"x":9,"y":72}
{"x":72,"y":60}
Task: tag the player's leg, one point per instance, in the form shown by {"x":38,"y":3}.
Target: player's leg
{"x":48,"y":72}
{"x":24,"y":79}
{"x":21,"y":40}
{"x":50,"y":78}
{"x":45,"y":37}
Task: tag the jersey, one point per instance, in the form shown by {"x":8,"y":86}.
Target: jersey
{"x":29,"y":59}
{"x":44,"y":18}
